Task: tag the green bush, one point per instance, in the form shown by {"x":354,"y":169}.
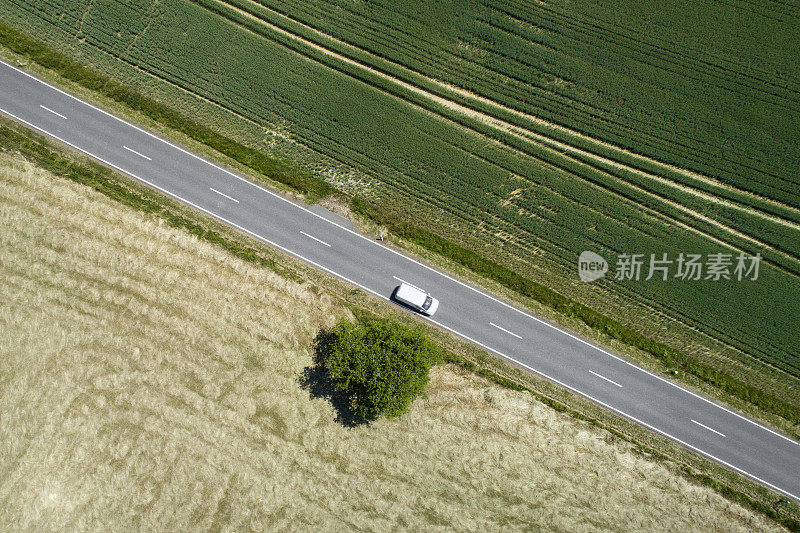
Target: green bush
{"x":382,"y":365}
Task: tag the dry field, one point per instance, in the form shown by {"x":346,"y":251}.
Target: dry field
{"x":152,"y":381}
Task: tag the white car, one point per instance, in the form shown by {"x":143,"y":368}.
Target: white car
{"x":416,"y":299}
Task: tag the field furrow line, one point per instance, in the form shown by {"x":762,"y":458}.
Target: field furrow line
{"x":459,"y":106}
{"x":517,"y":130}
{"x":591,"y":27}
{"x":562,"y":148}
{"x":555,"y":147}
{"x":556,"y":104}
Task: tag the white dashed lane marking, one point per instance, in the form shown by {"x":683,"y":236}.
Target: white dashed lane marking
{"x":314,"y":238}
{"x":605,"y":378}
{"x":223,"y":194}
{"x":135,"y":152}
{"x":53,"y":112}
{"x":505,"y":330}
{"x":708,"y":428}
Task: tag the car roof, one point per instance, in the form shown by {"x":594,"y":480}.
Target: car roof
{"x":411,"y":294}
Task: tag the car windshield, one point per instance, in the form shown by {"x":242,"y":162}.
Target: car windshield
{"x":428,"y":302}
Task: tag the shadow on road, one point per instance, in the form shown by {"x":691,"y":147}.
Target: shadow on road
{"x":318,"y":382}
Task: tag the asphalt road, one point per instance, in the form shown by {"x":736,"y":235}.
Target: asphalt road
{"x":683,"y":416}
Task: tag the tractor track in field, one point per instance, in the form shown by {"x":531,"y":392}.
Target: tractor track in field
{"x":503,"y":124}
{"x":574,"y":153}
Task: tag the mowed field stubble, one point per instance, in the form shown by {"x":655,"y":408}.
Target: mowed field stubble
{"x":151,"y":380}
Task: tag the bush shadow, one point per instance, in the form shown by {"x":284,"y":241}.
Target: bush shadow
{"x":319,"y":384}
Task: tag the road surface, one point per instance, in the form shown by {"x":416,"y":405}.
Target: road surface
{"x":666,"y":408}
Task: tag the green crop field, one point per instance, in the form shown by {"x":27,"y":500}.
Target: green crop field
{"x":528,"y":132}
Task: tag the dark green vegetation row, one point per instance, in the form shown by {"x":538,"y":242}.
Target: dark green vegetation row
{"x":41,"y":152}
{"x":310,"y":185}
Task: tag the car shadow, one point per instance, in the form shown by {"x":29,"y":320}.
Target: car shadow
{"x":318,"y":382}
{"x":407,"y":307}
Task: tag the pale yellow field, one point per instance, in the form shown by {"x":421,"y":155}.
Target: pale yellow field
{"x":151,"y":381}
